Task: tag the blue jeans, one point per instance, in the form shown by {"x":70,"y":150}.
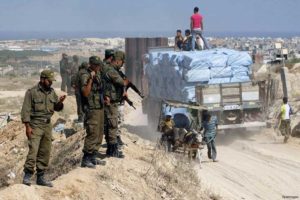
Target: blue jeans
{"x":211,"y":146}
{"x":198,"y":32}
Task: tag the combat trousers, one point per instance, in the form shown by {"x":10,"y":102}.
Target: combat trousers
{"x":285,"y":129}
{"x":211,"y":147}
{"x":79,"y":105}
{"x":68,"y":83}
{"x":111,"y":122}
{"x":39,"y":148}
{"x":120,"y":117}
{"x":63,"y":82}
{"x":94,"y":130}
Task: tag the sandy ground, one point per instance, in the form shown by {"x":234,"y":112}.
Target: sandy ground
{"x":254,"y":166}
{"x":145,"y":173}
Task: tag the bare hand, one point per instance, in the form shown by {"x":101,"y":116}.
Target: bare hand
{"x":28,"y":132}
{"x":62,"y":98}
{"x":93,"y":74}
{"x":125,"y":94}
{"x":106,"y":100}
{"x":126,"y":82}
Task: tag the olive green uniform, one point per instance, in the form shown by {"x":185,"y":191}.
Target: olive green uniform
{"x":114,"y":88}
{"x":38,"y":107}
{"x":64,"y":65}
{"x":94,"y":121}
{"x":76,"y":83}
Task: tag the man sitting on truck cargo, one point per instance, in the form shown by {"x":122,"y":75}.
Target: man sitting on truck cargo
{"x":187,"y":43}
{"x":178,"y":40}
{"x":210,"y":126}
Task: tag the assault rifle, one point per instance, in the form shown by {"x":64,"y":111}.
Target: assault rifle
{"x":131,"y":85}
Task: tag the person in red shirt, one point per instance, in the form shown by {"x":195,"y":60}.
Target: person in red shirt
{"x":197,"y":28}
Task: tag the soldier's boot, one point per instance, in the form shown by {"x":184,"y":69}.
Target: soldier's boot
{"x":40,"y":180}
{"x":86,"y":161}
{"x":119,"y":140}
{"x":80,"y":118}
{"x":109,"y":150}
{"x":27,"y":177}
{"x":115,"y":151}
{"x":96,"y":161}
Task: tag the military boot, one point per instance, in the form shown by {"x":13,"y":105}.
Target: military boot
{"x":86,"y":161}
{"x":40,"y":180}
{"x":96,"y":161}
{"x":115,"y":151}
{"x":109,"y":150}
{"x":27,"y":177}
{"x":119,"y":140}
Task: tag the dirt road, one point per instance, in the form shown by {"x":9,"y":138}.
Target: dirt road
{"x":254,"y":167}
{"x":252,"y":164}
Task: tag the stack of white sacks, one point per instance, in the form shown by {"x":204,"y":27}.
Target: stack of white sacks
{"x":174,"y":75}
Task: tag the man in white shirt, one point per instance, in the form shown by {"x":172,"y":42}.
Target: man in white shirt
{"x":285,"y":120}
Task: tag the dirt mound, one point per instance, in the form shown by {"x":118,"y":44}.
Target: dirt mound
{"x":145,"y":173}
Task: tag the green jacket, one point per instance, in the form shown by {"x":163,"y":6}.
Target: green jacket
{"x":114,"y":84}
{"x":95,"y":98}
{"x":64,"y":66}
{"x":39,"y":105}
{"x":75,"y":80}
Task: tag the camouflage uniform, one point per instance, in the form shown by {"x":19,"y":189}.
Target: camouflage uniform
{"x":94,"y":119}
{"x":38,"y":107}
{"x":64,"y":64}
{"x":73,"y":68}
{"x":75,"y":82}
{"x":110,"y":53}
{"x":114,"y":88}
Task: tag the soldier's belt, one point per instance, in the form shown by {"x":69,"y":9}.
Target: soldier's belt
{"x":43,"y":120}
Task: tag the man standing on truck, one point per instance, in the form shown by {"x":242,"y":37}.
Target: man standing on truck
{"x":210,"y":126}
{"x":197,"y":28}
{"x":285,"y":119}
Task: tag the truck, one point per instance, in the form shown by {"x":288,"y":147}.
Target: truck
{"x":237,"y":104}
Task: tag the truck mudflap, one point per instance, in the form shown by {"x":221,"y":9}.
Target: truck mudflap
{"x":243,"y":125}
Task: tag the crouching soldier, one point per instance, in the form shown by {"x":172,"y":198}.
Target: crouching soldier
{"x":40,"y":102}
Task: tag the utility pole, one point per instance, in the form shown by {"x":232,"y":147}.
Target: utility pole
{"x":282,"y":70}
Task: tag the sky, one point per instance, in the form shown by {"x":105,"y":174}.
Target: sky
{"x":148,"y":16}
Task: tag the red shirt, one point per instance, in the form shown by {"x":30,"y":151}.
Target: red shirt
{"x":197,"y":20}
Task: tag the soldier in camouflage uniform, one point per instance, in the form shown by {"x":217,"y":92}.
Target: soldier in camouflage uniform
{"x":109,"y":54}
{"x":40,"y":102}
{"x":74,"y":66}
{"x":63,"y":64}
{"x":75,"y":82}
{"x":93,"y":102}
{"x":114,"y":92}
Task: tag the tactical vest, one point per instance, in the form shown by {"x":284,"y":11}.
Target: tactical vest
{"x":113,"y":91}
{"x":95,"y":99}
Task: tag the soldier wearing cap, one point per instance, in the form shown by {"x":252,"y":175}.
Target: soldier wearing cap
{"x":114,"y":93}
{"x":39,"y":104}
{"x":91,"y":86}
{"x":75,"y":82}
{"x":109,"y":53}
{"x":64,"y":64}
